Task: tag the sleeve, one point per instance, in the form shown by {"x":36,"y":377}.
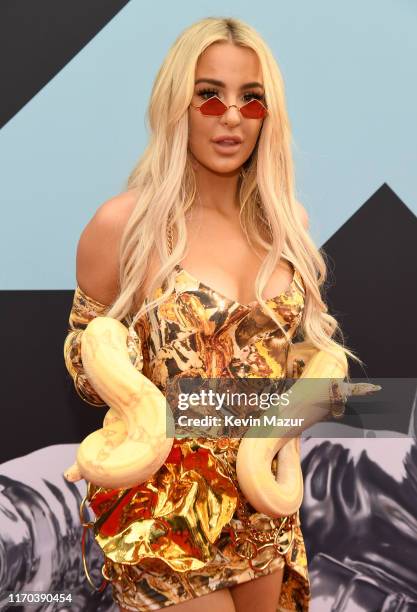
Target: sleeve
{"x":83,"y":310}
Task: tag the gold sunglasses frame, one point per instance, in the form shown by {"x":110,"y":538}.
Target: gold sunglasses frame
{"x":227,"y":107}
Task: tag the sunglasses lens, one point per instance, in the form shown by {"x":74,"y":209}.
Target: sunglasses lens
{"x":254,"y":110}
{"x":213,"y":106}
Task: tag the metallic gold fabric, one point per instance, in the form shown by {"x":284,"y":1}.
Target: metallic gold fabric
{"x":175,"y":516}
{"x":189,"y":530}
{"x":83,"y":310}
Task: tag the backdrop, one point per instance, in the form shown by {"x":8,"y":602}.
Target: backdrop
{"x":76,"y":79}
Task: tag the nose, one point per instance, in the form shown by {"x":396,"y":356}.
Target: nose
{"x":231,"y":116}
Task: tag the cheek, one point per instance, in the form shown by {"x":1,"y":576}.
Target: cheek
{"x":196,"y":125}
{"x":199,"y":134}
{"x":256,"y":131}
{"x":251,"y":136}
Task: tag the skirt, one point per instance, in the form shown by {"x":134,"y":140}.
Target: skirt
{"x":190,"y":531}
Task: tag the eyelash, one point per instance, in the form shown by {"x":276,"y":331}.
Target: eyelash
{"x":215,"y":92}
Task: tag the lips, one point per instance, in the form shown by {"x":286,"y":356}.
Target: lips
{"x":226,"y":142}
{"x":225,"y":139}
{"x":227,"y":145}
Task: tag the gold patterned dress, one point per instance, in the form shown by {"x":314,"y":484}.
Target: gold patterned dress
{"x":189,"y":530}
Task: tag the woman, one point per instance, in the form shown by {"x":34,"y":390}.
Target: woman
{"x":210,"y":229}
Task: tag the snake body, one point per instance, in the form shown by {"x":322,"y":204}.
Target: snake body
{"x":133,"y":443}
{"x":283,"y":495}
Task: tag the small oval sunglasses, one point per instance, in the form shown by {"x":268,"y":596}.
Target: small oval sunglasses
{"x":214,"y":107}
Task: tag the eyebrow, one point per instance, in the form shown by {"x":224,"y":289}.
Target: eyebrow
{"x":221,"y":84}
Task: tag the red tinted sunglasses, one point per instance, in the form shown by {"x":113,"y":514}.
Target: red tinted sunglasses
{"x":214,"y":107}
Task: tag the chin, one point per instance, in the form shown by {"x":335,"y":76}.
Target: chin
{"x":225,"y":169}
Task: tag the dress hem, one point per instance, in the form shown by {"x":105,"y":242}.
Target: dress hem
{"x":237,"y":579}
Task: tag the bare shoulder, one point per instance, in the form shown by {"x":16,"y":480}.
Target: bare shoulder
{"x":303,"y":215}
{"x":97,"y":262}
{"x":118,"y":208}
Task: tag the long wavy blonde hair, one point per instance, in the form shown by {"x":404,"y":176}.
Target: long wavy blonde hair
{"x":165,"y":187}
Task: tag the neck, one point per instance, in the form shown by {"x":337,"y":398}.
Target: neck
{"x":218,"y":192}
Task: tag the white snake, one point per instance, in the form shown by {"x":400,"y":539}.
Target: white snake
{"x":132,"y":444}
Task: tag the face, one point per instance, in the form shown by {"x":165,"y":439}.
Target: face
{"x":238,"y":77}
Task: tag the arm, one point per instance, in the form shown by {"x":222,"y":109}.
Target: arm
{"x":97,"y":286}
{"x":83,"y":310}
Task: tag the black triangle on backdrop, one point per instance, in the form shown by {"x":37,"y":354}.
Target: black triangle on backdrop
{"x":38,"y":38}
{"x":373,"y":256}
{"x":38,"y":402}
{"x":374,"y":299}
